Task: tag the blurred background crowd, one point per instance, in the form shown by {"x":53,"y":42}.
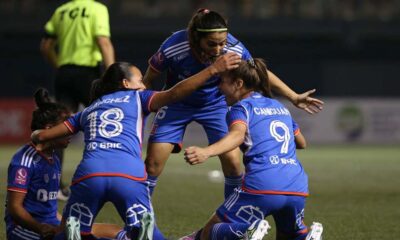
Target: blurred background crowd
{"x":323,"y":44}
{"x":379,"y":10}
{"x":343,"y":48}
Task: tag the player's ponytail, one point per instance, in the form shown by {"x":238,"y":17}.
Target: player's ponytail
{"x":111,"y":81}
{"x":48,"y":111}
{"x":254,"y":75}
{"x":263,"y":86}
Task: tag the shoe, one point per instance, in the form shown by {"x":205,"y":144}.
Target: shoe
{"x":146,"y":227}
{"x":315,"y":232}
{"x":63,"y":194}
{"x":257,"y":230}
{"x":73,"y":229}
{"x":191,"y":236}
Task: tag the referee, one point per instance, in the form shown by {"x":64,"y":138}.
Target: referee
{"x":77,"y":43}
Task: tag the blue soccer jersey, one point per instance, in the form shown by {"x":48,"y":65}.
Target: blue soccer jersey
{"x":177,"y":58}
{"x":269,"y":148}
{"x":113,"y":133}
{"x":37,"y":176}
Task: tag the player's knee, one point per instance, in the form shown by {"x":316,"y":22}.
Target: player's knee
{"x":152,"y":167}
{"x":231,"y":166}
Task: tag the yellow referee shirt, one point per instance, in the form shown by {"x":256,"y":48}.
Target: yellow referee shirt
{"x":76,"y":25}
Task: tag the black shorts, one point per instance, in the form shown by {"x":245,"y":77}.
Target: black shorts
{"x":72,"y":85}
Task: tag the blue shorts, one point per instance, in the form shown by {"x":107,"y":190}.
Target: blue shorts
{"x":130,"y":198}
{"x":170,"y":123}
{"x":287,"y":210}
{"x":16,"y":232}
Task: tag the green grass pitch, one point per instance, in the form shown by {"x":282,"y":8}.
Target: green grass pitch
{"x":355,"y":192}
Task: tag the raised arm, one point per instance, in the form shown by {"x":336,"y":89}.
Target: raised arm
{"x":149,"y":77}
{"x":107,"y":50}
{"x":302,"y":101}
{"x":45,"y":135}
{"x":48,"y":50}
{"x":235,"y":137}
{"x":186,"y":87}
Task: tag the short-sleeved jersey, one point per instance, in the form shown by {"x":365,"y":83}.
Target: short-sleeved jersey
{"x":30,"y":172}
{"x":178,"y":60}
{"x":269,"y":148}
{"x":75,"y":25}
{"x":113,"y":133}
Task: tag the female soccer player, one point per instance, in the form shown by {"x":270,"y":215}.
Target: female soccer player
{"x":182,"y":55}
{"x":34,"y":180}
{"x":112,"y":168}
{"x":275,"y":182}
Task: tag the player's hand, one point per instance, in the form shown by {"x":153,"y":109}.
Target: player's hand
{"x":47,"y":231}
{"x":195,"y":155}
{"x":226,"y":62}
{"x":307,"y":103}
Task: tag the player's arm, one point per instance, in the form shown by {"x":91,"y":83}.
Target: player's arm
{"x":302,"y":101}
{"x":19,"y":214}
{"x":107,"y":50}
{"x":44,"y":135}
{"x":300,"y":141}
{"x":184,"y":88}
{"x":150,"y":75}
{"x":235,"y":137}
{"x":48,"y":50}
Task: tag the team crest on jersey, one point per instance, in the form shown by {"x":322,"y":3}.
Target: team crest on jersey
{"x":20,"y":177}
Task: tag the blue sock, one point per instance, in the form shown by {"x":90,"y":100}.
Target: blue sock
{"x":121,"y":235}
{"x":152,"y":180}
{"x":157,"y":235}
{"x":231,"y":183}
{"x":232,"y":231}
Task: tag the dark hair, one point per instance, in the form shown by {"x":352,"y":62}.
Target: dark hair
{"x":203,"y":19}
{"x":111,"y":80}
{"x":254,"y":74}
{"x":48,"y":111}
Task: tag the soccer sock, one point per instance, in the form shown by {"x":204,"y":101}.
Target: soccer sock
{"x":121,"y":235}
{"x":157,"y":235}
{"x":233,"y":231}
{"x":152,"y":180}
{"x":231,"y":183}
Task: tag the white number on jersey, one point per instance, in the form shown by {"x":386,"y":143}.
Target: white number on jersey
{"x":285,"y":138}
{"x":161,"y":112}
{"x":106,"y":120}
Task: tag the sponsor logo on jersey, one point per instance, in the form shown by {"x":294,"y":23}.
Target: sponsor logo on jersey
{"x":103,"y":145}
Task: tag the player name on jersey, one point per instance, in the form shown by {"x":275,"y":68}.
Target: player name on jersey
{"x":124,"y":99}
{"x":271,"y":111}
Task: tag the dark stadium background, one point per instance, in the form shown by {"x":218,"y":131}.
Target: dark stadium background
{"x":342,"y":48}
{"x":348,"y":49}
